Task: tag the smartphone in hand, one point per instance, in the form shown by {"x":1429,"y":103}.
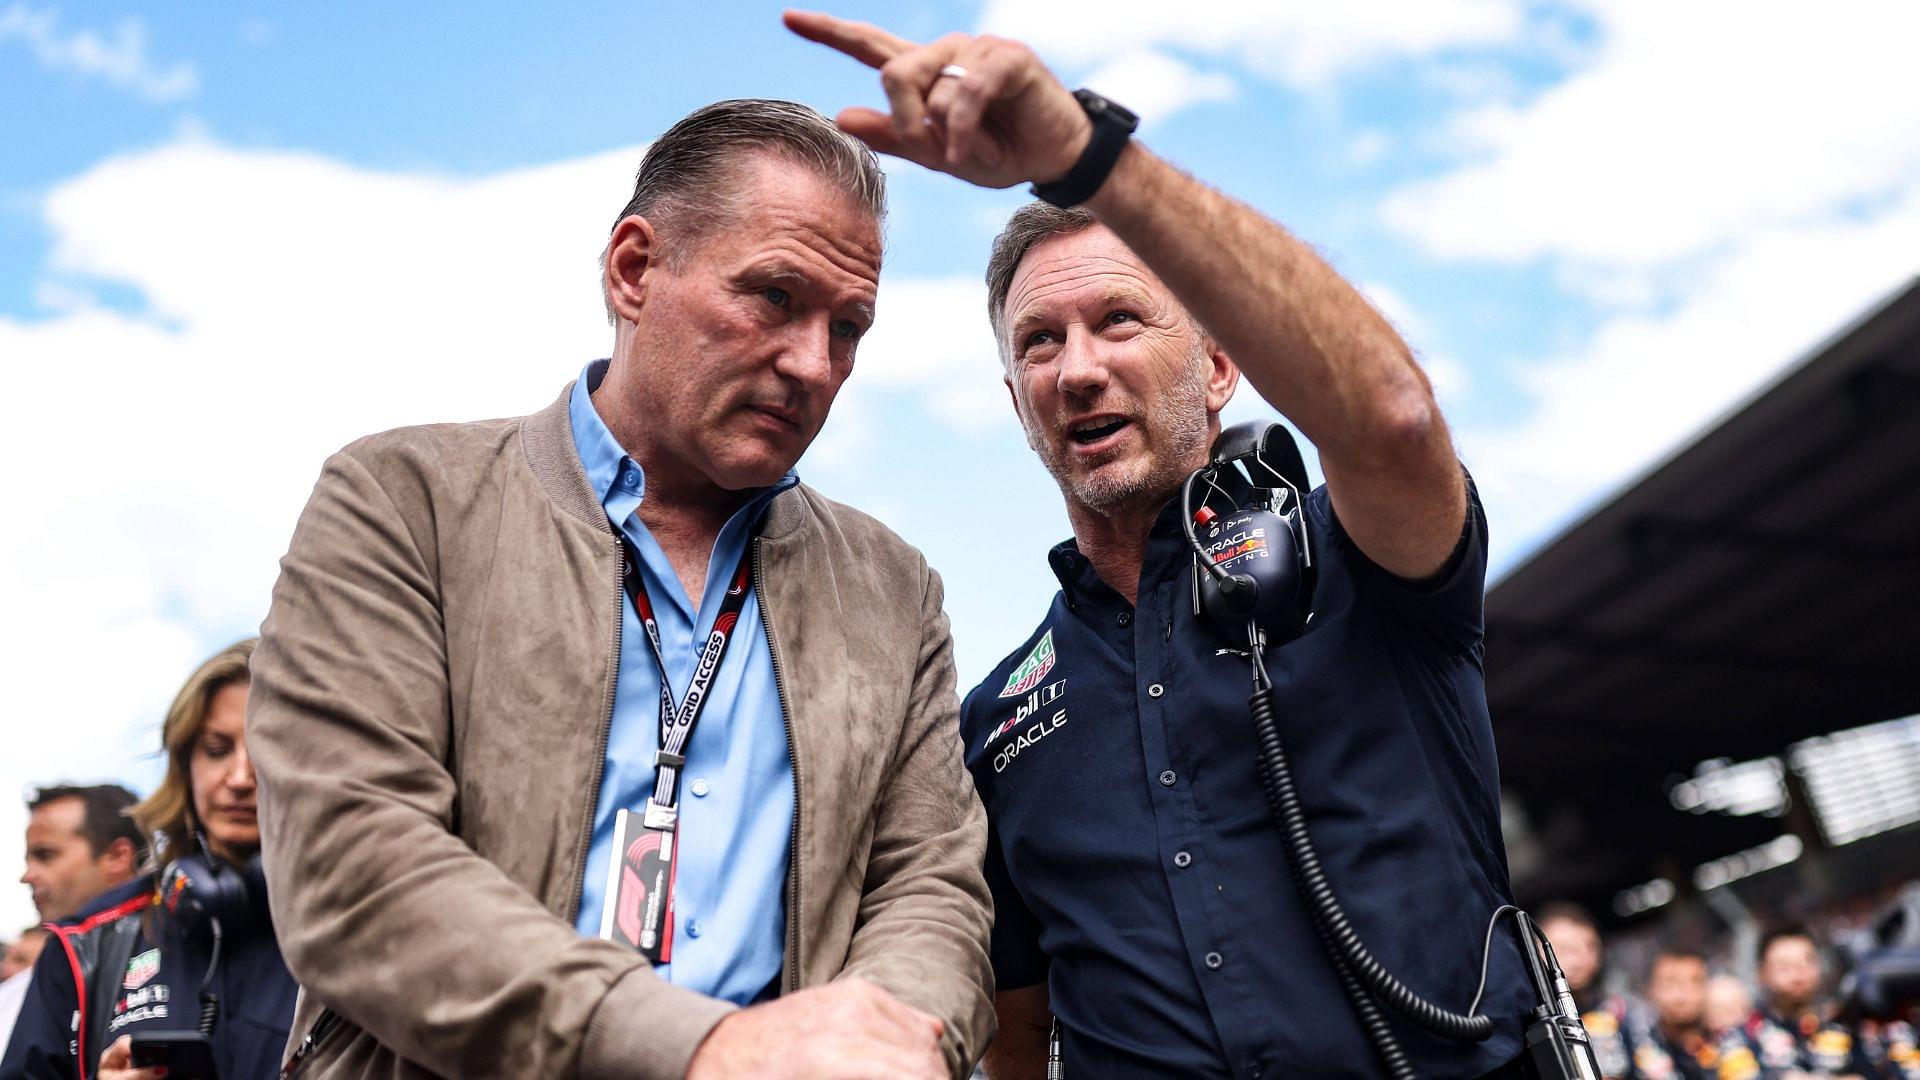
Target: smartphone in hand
{"x":188,"y":1055}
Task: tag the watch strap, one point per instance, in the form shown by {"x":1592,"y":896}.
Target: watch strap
{"x":1113,"y":125}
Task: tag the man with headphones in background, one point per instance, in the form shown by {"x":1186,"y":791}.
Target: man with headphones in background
{"x":1141,"y":888}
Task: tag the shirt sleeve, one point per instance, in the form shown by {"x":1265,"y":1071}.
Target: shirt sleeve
{"x":42,"y":1044}
{"x":1450,"y":603}
{"x":1018,"y":960}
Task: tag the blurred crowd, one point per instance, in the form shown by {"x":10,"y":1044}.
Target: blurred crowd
{"x":1713,"y":1012}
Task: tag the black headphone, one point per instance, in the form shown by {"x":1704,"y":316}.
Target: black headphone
{"x":203,"y":890}
{"x":201,"y":887}
{"x":1253,"y":575}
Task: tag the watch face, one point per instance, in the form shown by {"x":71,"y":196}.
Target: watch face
{"x":1106,"y":109}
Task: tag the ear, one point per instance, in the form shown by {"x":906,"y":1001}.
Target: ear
{"x":1223,"y":375}
{"x":120,"y":858}
{"x":632,"y":254}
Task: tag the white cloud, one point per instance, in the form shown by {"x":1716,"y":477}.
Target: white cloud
{"x":1156,"y":86}
{"x":928,"y":329}
{"x":296,"y":304}
{"x":930,"y":345}
{"x":1724,"y":184}
{"x":1644,"y":383}
{"x":1693,"y":125}
{"x":118,"y":57}
{"x":1368,"y":148}
{"x":1301,"y":45}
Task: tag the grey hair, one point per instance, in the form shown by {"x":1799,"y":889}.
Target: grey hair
{"x":686,"y":185}
{"x":1029,"y":225}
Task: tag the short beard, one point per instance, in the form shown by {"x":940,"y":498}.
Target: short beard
{"x":1177,"y":430}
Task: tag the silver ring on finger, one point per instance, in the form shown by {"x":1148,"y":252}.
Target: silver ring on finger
{"x":953,"y":71}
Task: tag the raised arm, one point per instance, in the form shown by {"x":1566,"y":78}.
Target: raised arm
{"x":1312,"y":346}
{"x":1306,"y":339}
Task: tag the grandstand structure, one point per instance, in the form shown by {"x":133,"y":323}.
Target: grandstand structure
{"x":1710,"y":681}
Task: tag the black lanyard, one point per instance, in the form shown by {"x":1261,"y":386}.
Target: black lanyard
{"x":677,"y":724}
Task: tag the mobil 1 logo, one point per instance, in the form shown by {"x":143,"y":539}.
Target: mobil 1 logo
{"x":1037,"y":716}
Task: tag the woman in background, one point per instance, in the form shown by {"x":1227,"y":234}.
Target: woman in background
{"x":187,"y":947}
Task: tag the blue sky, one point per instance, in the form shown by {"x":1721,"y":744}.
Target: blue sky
{"x":234,"y":238}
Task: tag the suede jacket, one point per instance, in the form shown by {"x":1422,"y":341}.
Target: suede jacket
{"x":429,"y":717}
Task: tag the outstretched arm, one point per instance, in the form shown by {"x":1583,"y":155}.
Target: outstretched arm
{"x":1307,"y":340}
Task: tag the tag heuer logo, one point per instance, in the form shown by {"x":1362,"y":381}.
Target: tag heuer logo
{"x":1032,"y":669}
{"x":141,"y":969}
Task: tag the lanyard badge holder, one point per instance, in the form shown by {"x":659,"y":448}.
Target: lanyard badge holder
{"x":639,"y":911}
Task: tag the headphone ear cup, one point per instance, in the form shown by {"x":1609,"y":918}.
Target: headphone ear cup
{"x":201,"y":886}
{"x":1269,"y":579}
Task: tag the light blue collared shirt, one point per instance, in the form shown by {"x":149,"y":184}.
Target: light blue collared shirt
{"x":736,"y":791}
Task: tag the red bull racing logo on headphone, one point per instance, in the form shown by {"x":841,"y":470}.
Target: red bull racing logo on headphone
{"x":1238,"y":547}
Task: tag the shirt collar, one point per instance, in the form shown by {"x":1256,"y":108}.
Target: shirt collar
{"x":600,"y":453}
{"x":617,"y":480}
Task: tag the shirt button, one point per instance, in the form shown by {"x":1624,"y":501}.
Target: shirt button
{"x":1156,"y":690}
{"x":700,"y":787}
{"x":693,"y":930}
{"x":1214,"y":960}
{"x":1126,"y":618}
{"x":1167,"y":778}
{"x":1182,"y":860}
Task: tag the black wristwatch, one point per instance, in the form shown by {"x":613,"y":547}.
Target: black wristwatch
{"x":1113,"y":125}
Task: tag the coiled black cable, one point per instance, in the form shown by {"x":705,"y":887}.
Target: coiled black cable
{"x":1352,"y":961}
{"x":1367,"y":1010}
{"x":209,"y":1001}
{"x":1364,"y":982}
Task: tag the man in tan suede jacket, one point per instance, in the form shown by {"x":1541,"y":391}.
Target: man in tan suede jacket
{"x":470,"y":778}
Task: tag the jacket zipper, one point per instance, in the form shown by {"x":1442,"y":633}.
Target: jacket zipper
{"x":600,"y":753}
{"x":793,"y":757}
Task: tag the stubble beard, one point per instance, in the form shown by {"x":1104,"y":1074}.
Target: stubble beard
{"x":1176,"y":432}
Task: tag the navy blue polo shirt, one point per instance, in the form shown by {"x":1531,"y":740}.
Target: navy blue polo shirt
{"x":1135,"y":867}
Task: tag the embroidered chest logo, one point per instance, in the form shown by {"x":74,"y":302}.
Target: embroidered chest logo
{"x":141,"y":969}
{"x":1038,"y":724}
{"x":1032,"y":669}
{"x":1046,"y":695}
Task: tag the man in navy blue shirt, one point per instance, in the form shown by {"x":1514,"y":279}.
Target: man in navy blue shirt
{"x":1142,"y":893}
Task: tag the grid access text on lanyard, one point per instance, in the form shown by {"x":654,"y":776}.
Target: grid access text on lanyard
{"x":676,"y":728}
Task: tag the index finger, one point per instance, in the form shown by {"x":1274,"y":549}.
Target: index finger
{"x":864,"y":42}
